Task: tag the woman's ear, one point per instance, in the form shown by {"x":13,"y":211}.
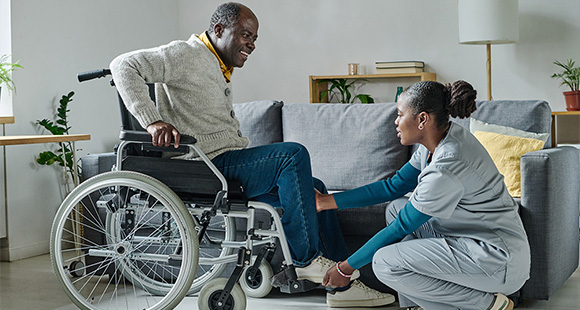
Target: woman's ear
{"x":423,"y":118}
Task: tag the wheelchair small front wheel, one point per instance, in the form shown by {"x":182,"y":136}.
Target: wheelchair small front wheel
{"x":209,"y":296}
{"x":256,"y":283}
{"x":77,"y":268}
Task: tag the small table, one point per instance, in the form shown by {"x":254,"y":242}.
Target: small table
{"x":32,"y":139}
{"x":554,"y":120}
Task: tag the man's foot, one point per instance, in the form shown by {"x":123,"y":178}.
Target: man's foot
{"x":502,"y":302}
{"x":317,"y":269}
{"x":358,"y":295}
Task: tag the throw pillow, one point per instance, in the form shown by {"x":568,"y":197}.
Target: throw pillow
{"x":506,"y":151}
{"x":477,"y":125}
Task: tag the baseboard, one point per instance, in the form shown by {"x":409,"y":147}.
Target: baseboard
{"x":9,"y":254}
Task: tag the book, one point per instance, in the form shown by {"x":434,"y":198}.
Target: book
{"x":398,"y":70}
{"x":399,"y":64}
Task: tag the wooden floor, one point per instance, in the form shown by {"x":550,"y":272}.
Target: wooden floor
{"x":31,"y":284}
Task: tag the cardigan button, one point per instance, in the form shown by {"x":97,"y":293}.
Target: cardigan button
{"x":227,"y":91}
{"x":239,"y":133}
{"x":233,"y":114}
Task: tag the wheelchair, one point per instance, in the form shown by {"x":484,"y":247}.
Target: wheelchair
{"x":167,"y":229}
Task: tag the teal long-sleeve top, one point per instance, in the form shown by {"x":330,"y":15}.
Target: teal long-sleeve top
{"x":407,"y":221}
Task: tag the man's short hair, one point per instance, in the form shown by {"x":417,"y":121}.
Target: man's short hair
{"x":226,"y":14}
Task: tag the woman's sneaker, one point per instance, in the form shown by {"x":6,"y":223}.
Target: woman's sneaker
{"x":317,"y":269}
{"x":358,"y":295}
{"x":502,"y":302}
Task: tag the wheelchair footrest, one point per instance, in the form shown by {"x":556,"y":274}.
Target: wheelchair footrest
{"x":299,"y":286}
{"x":288,"y":282}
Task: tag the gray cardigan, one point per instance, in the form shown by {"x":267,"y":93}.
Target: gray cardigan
{"x":192,"y":93}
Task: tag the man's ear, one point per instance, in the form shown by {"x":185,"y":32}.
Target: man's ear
{"x":218,"y":29}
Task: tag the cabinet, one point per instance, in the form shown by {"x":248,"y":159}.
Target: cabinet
{"x":316,"y":88}
{"x":555,"y":116}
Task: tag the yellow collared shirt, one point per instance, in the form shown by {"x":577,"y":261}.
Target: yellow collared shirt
{"x":226,"y":70}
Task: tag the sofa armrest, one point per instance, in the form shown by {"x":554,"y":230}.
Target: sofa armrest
{"x":550,"y":209}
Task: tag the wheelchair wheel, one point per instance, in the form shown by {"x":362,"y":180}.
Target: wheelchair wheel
{"x":258,"y":285}
{"x":221,"y":228}
{"x":209,"y":295}
{"x":147,"y":255}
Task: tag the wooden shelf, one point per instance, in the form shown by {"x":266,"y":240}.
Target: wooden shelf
{"x":16,"y":140}
{"x":316,"y":88}
{"x":6,"y":119}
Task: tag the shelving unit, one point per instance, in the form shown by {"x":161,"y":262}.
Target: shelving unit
{"x":555,"y":115}
{"x":316,"y":88}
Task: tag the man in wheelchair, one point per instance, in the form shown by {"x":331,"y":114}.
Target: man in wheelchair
{"x":194,"y":97}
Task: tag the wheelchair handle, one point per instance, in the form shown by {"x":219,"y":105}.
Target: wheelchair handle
{"x":85,"y":76}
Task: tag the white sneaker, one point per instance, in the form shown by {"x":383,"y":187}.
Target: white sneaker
{"x":358,"y":295}
{"x":317,"y":269}
{"x":502,"y":302}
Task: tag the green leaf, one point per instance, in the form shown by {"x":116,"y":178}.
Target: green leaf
{"x":364,"y":98}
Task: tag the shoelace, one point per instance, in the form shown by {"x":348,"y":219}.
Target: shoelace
{"x":325,"y":261}
{"x":367,"y":289}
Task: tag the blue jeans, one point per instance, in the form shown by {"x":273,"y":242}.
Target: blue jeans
{"x":280,"y":174}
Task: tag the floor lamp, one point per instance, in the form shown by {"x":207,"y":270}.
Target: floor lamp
{"x":488,"y":22}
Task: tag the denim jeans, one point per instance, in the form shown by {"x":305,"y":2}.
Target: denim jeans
{"x":280,"y":174}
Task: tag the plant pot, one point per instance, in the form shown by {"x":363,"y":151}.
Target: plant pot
{"x":572,"y":100}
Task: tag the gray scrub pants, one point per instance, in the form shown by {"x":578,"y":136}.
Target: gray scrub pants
{"x":435,"y":272}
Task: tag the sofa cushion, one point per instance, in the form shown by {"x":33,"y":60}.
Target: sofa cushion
{"x":506,"y":151}
{"x":260,"y":121}
{"x":350,"y":144}
{"x":527,"y":115}
{"x":477,"y":125}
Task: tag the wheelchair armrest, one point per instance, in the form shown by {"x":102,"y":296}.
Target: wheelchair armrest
{"x":145,"y":137}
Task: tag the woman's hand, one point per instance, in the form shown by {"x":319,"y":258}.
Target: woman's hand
{"x":324,"y":201}
{"x":334,"y":279}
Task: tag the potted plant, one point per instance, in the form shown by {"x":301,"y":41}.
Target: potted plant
{"x":342,"y":87}
{"x":5,"y":69}
{"x":570,"y":76}
{"x":64,"y":154}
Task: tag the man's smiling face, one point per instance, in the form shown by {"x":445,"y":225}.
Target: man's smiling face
{"x":237,"y":42}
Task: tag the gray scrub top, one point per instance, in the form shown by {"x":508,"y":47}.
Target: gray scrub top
{"x":466,"y":196}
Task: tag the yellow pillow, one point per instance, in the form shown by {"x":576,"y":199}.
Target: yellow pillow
{"x":505,"y":152}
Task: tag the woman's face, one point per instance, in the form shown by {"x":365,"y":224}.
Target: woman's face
{"x":407,"y":123}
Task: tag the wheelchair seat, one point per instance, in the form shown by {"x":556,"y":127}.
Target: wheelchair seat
{"x":191,"y":180}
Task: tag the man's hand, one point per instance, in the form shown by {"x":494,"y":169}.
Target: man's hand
{"x":334,"y":279}
{"x":161,"y":134}
{"x":324,"y":201}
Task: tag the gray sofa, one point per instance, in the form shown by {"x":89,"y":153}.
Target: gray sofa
{"x":353,"y":145}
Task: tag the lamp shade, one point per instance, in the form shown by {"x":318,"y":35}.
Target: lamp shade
{"x":488,"y":21}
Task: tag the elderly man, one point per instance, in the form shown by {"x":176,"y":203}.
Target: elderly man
{"x":194,"y":98}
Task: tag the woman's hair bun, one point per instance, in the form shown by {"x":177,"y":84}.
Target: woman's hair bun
{"x":461,"y":98}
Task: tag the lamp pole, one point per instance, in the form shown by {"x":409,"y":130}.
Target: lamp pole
{"x":488,"y":65}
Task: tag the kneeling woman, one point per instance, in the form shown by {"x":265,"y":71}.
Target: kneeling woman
{"x":458,"y":242}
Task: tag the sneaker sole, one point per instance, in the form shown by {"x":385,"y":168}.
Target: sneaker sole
{"x":360,"y":303}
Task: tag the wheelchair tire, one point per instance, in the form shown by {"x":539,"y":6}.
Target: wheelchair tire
{"x":146,"y":229}
{"x":259,"y":285}
{"x":221,"y":228}
{"x":209,"y":294}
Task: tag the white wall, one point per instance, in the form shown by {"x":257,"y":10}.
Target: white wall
{"x":303,"y":37}
{"x":55,"y":40}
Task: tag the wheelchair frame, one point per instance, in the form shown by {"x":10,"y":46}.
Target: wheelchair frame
{"x":113,"y":197}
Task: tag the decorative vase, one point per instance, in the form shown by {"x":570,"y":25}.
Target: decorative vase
{"x":572,"y":100}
